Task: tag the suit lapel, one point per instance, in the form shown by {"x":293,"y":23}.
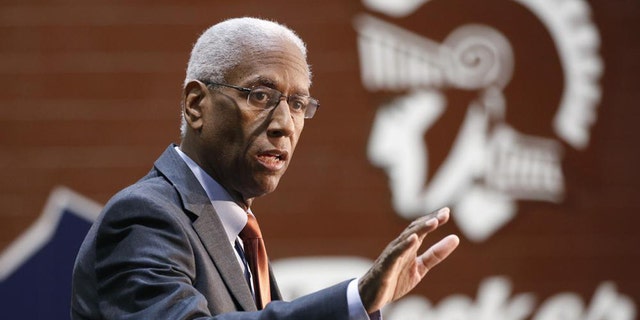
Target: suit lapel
{"x":207,"y":225}
{"x":212,"y":235}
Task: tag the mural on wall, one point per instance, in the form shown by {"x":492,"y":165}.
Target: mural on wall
{"x":491,"y":165}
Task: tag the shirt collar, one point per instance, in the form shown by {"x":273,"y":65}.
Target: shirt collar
{"x":232,"y":216}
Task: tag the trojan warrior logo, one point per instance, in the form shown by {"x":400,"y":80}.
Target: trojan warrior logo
{"x":491,"y":163}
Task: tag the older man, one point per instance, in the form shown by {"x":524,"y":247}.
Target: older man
{"x":182,"y":243}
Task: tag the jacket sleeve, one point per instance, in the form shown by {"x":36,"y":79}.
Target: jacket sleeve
{"x":326,"y":304}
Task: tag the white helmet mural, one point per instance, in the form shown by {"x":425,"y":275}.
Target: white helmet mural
{"x":491,"y":165}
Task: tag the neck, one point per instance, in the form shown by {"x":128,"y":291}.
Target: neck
{"x":238,"y":198}
{"x":244,"y":203}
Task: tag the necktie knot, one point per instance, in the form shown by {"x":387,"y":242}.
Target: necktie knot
{"x":251,"y":230}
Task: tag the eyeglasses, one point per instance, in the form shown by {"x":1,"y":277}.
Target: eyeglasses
{"x":266,"y":98}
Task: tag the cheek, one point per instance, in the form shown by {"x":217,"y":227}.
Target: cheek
{"x":227,"y":124}
{"x":296,"y":136}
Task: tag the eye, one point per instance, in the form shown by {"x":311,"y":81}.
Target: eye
{"x":260,"y":96}
{"x":297,"y":103}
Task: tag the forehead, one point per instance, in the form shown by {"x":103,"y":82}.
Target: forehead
{"x":277,"y":63}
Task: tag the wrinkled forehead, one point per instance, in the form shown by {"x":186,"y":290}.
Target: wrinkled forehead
{"x":277,"y":60}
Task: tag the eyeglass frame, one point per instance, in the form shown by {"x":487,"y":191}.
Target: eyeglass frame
{"x":308,"y":112}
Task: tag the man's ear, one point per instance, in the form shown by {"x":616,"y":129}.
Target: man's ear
{"x":194,"y":94}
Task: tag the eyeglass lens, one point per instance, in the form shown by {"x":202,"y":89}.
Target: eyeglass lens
{"x":264,"y":97}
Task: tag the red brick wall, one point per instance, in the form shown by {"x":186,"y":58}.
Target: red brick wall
{"x":89,"y":97}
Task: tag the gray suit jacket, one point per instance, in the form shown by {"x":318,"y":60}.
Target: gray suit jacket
{"x":159,"y":251}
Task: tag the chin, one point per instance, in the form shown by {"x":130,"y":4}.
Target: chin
{"x":265,"y":186}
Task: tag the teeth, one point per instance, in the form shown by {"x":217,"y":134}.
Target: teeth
{"x":274,"y":156}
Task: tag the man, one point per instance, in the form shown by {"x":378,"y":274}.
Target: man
{"x":170,"y":246}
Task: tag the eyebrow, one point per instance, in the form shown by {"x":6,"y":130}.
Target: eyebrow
{"x":262,"y":81}
{"x":268,"y":82}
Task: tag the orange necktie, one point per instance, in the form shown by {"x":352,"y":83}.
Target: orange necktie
{"x":256,"y":256}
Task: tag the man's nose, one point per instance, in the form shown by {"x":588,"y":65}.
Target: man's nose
{"x":282,"y":124}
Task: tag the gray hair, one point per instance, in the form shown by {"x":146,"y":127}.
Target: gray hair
{"x":219,"y":48}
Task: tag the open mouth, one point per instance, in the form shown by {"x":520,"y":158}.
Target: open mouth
{"x":272,"y":160}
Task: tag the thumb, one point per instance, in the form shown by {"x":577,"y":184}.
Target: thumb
{"x":439,"y":251}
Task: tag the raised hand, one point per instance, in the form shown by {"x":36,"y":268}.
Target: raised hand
{"x":399,"y":268}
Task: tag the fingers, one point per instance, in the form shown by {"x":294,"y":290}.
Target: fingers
{"x":411,"y":238}
{"x":425,"y":224}
{"x":399,"y":268}
{"x":408,"y":245}
{"x":438,"y":252}
{"x":441,"y":216}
